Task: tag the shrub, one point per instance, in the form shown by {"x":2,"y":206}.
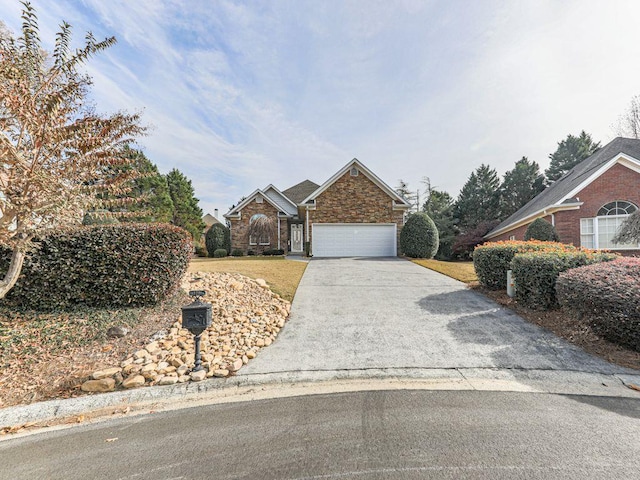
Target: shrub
{"x":273,"y":251}
{"x":219,"y":253}
{"x":419,"y":236}
{"x":236,"y":252}
{"x":492,"y":260}
{"x":251,"y":253}
{"x":102,"y":266}
{"x":218,"y":236}
{"x":541,"y":230}
{"x":464,"y":243}
{"x":535,"y":274}
{"x":200,"y":251}
{"x":607,"y":296}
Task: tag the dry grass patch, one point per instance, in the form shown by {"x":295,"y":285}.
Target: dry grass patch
{"x":462,"y":271}
{"x":283,"y":276}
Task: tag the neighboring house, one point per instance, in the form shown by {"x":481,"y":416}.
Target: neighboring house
{"x":354,"y":213}
{"x":587,"y":204}
{"x":208,"y":221}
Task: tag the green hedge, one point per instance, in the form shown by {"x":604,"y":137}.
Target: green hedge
{"x":220,"y":253}
{"x":541,"y":230}
{"x":492,"y":260}
{"x":535,"y":274}
{"x":607,"y":296}
{"x":419,"y":236}
{"x":101,"y":266}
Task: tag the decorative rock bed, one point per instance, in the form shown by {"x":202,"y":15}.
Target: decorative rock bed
{"x":247,"y":316}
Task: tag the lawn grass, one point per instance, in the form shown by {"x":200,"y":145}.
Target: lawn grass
{"x":283,"y":276}
{"x":462,"y":271}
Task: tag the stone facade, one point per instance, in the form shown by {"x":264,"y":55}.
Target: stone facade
{"x":240,"y":228}
{"x":617,"y":183}
{"x":354,"y":199}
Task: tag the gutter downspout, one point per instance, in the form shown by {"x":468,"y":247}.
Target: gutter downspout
{"x":306,"y":230}
{"x":278,"y":232}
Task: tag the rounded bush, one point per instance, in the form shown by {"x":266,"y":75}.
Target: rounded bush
{"x":219,"y":253}
{"x":419,"y":236}
{"x":106,"y":266}
{"x":218,"y":236}
{"x":541,"y":230}
{"x":237,"y":252}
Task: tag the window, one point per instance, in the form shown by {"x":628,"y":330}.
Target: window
{"x":597,"y":232}
{"x":264,"y":239}
{"x":354,"y":172}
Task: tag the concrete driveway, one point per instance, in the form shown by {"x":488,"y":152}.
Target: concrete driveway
{"x":371,"y":314}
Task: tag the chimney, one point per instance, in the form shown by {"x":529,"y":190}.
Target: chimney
{"x":215,"y":213}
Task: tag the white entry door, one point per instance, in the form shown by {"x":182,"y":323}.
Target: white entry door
{"x":296,"y":237}
{"x":354,"y":240}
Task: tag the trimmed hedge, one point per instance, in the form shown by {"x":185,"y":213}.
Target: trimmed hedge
{"x":105,"y":266}
{"x":607,"y":296}
{"x":218,"y":236}
{"x":273,"y":252}
{"x":492,"y":260}
{"x":535,"y":274}
{"x":419,"y":236}
{"x":220,"y":253}
{"x":236,"y":252}
{"x":541,"y":230}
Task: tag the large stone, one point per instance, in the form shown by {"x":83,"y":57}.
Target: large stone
{"x":262,"y":283}
{"x":236,"y":365}
{"x":102,"y":385}
{"x":168,"y":380}
{"x":199,"y":375}
{"x":133,"y":381}
{"x":107,"y":372}
{"x":117,"y":332}
{"x":221,"y":372}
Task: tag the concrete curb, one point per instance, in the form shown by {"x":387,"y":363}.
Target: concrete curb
{"x":241,"y":387}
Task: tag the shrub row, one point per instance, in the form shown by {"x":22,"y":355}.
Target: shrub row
{"x":608,"y":296}
{"x":273,"y":252}
{"x":101,"y":266}
{"x":535,"y":274}
{"x":492,"y":260}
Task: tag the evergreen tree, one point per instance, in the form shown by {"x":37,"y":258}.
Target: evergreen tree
{"x":479,"y":198}
{"x":440,"y":207}
{"x":571,"y":151}
{"x":151,"y":192}
{"x":519,"y":186}
{"x":403,"y":190}
{"x":186,"y":212}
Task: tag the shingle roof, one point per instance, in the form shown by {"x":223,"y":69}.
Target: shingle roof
{"x":299,"y":192}
{"x":561,"y":188}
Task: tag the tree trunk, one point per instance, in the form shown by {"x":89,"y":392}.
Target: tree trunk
{"x":11,"y":277}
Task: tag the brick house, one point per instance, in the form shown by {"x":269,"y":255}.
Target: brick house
{"x":588,"y":203}
{"x":354,"y":213}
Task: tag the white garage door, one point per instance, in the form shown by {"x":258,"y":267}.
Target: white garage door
{"x":354,"y":240}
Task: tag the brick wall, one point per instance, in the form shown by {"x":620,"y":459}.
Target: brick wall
{"x":355,"y":200}
{"x":240,"y":228}
{"x":618,"y":183}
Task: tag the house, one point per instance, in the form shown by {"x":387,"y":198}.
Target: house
{"x":354,"y":213}
{"x":588,"y":203}
{"x":208,"y":221}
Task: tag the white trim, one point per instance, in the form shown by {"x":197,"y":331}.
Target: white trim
{"x":235,"y":212}
{"x":539,"y":214}
{"x":369,"y":174}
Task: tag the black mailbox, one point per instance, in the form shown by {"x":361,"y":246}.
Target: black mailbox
{"x":196,"y":316}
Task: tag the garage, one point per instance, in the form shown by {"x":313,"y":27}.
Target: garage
{"x":354,"y":240}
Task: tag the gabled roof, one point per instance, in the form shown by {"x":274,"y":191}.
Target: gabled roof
{"x":561,"y":194}
{"x":209,"y":220}
{"x":235,"y":211}
{"x":286,"y":205}
{"x":299,"y":192}
{"x":399,"y":201}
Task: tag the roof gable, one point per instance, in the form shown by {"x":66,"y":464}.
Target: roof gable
{"x":235,"y":211}
{"x":560,"y":194}
{"x":278,"y":197}
{"x":400,"y":202}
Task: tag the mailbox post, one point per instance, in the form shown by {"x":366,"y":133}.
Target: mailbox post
{"x":196,"y":317}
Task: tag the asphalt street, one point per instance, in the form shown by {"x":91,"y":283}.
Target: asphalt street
{"x":367,"y":435}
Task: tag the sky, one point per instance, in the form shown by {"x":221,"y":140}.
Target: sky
{"x":242,"y":94}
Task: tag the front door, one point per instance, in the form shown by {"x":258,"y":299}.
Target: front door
{"x":296,"y":237}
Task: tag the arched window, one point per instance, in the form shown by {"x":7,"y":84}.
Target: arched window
{"x":597,"y":232}
{"x":263,"y":232}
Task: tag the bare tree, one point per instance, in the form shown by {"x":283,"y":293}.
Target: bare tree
{"x":57,"y":155}
{"x":629,"y":123}
{"x":261,"y":231}
{"x":629,"y":231}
